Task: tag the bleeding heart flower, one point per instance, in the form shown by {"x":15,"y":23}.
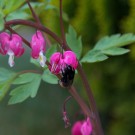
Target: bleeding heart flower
{"x":60,"y":61}
{"x":86,"y":128}
{"x":76,"y":128}
{"x":82,"y":128}
{"x":38,"y":47}
{"x":11,"y":45}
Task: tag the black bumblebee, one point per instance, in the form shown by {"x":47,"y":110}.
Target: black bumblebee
{"x":67,"y":76}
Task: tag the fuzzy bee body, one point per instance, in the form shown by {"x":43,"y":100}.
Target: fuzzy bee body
{"x":67,"y":77}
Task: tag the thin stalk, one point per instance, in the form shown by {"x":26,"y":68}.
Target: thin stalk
{"x":33,"y":12}
{"x":87,"y":112}
{"x":80,"y":101}
{"x":84,"y":79}
{"x":91,"y":98}
{"x":61,"y":24}
{"x":64,"y":104}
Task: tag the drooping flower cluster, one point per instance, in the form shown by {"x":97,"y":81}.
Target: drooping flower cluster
{"x":59,"y":61}
{"x":82,"y":128}
{"x":12,"y":45}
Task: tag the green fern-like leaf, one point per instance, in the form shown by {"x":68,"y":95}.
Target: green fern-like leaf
{"x":109,"y":45}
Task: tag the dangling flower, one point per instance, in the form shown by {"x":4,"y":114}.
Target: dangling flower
{"x":86,"y":127}
{"x":65,"y":64}
{"x":11,"y":45}
{"x":76,"y":128}
{"x":60,"y":61}
{"x":38,"y":47}
{"x":82,"y":128}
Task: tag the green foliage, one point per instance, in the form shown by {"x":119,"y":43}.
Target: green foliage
{"x":109,"y":46}
{"x":35,"y":62}
{"x":50,"y":51}
{"x":6,"y":78}
{"x":74,"y":43}
{"x":94,"y":56}
{"x":49,"y":77}
{"x":19,"y":14}
{"x":1,"y":21}
{"x":9,"y":6}
{"x":19,"y":10}
{"x":25,"y":13}
{"x":37,"y":6}
{"x":30,"y":84}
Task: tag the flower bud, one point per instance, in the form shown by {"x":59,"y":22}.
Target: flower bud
{"x":76,"y":128}
{"x":86,"y":127}
{"x":82,"y":128}
{"x":38,"y":47}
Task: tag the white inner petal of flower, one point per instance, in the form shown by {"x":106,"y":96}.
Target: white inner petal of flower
{"x":54,"y":67}
{"x":11,"y":58}
{"x":42,"y":59}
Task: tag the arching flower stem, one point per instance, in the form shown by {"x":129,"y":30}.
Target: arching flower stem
{"x":64,"y":112}
{"x":35,"y":25}
{"x":33,"y":12}
{"x":91,"y":99}
{"x":80,"y":70}
{"x":62,"y":25}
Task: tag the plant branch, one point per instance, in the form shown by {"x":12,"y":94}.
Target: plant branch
{"x":91,"y":99}
{"x":61,"y":24}
{"x":87,"y":112}
{"x":80,"y":101}
{"x":34,"y":25}
{"x":33,"y":12}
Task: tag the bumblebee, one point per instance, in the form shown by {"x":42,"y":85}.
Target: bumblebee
{"x":67,"y":76}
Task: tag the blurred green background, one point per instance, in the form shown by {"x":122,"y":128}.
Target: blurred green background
{"x":112,"y":81}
